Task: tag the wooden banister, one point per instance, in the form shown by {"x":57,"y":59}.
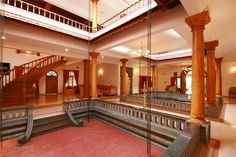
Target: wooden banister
{"x":26,"y":68}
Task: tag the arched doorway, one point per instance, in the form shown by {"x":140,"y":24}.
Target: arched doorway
{"x":51,"y":82}
{"x":186,"y":80}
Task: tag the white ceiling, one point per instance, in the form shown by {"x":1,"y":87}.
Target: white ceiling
{"x":222,"y":28}
{"x":106,"y":8}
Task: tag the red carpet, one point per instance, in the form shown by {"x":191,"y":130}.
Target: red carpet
{"x":96,"y":139}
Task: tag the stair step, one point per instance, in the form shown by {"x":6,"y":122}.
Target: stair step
{"x":46,"y":128}
{"x":48,"y":120}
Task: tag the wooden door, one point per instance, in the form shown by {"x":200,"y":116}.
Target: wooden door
{"x":51,"y":82}
{"x":144,"y":80}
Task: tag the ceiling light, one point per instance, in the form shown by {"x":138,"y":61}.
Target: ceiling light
{"x":66,"y":49}
{"x":28,"y":52}
{"x":102,"y":56}
{"x":134,"y":52}
{"x":172,"y":54}
{"x":147,"y":52}
{"x":3,"y":37}
{"x":121,"y":49}
{"x":172,"y":32}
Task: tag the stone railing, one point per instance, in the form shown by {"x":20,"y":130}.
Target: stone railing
{"x":164,"y":127}
{"x":167,"y":95}
{"x":157,"y":102}
{"x":186,"y":144}
{"x":17,"y":121}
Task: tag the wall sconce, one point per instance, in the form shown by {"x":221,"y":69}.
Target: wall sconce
{"x":100,"y":72}
{"x":136,"y":71}
{"x":234,"y":70}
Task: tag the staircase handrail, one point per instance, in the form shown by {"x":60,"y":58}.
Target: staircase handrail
{"x":11,"y":75}
{"x":58,"y":58}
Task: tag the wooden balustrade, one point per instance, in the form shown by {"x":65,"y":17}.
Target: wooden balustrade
{"x":22,"y":70}
{"x":134,"y":7}
{"x":56,"y":17}
{"x":48,"y":14}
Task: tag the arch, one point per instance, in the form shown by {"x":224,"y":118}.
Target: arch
{"x":51,"y":82}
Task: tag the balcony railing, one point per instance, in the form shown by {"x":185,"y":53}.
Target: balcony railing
{"x":70,"y":22}
{"x":134,"y":7}
{"x":46,"y":13}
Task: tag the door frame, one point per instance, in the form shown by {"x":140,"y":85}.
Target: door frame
{"x":46,"y":82}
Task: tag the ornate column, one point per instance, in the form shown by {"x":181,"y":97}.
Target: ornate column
{"x":94,"y":15}
{"x":86,"y":78}
{"x":197,"y":24}
{"x":211,"y":73}
{"x":123,"y":77}
{"x":94,"y":56}
{"x":218,"y":76}
{"x":154,"y":78}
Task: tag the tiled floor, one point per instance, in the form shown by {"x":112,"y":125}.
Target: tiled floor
{"x":96,"y":139}
{"x":225,"y":131}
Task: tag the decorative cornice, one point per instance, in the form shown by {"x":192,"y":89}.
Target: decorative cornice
{"x":198,"y":21}
{"x":211,"y":45}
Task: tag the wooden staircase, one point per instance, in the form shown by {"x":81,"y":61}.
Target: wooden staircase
{"x":17,"y":84}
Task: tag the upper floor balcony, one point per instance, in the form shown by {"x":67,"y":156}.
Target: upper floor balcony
{"x":29,"y":13}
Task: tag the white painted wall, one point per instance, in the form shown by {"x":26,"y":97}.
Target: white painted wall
{"x":10,"y":56}
{"x":77,"y":66}
{"x":228,"y":76}
{"x":164,"y":75}
{"x":110,"y":74}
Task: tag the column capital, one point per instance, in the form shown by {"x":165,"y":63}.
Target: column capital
{"x":211,"y":45}
{"x":94,"y":1}
{"x":198,"y":21}
{"x":218,"y":60}
{"x":153,"y":66}
{"x":94,"y":55}
{"x":124,"y":60}
{"x":86,"y":60}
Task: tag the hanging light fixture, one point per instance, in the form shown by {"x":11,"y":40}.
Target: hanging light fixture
{"x":141,"y":52}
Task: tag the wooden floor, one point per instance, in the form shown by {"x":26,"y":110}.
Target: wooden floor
{"x":57,"y":99}
{"x":51,"y":100}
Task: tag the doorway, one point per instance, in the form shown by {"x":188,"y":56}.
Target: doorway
{"x":51,"y":82}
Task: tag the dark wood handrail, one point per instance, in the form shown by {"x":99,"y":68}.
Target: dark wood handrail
{"x":11,"y":74}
